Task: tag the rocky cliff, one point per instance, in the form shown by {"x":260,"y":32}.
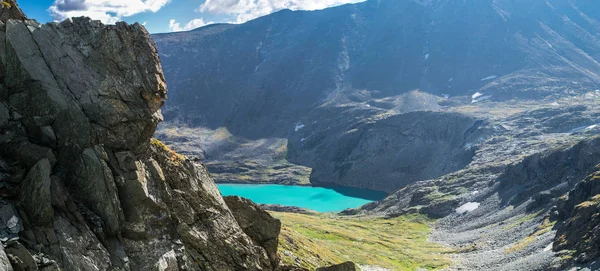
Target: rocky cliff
{"x":82,"y":185}
{"x":394,"y":151}
{"x":578,"y":235}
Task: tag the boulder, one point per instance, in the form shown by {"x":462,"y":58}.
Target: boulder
{"x":35,"y":194}
{"x":256,"y":223}
{"x":347,"y":266}
{"x":20,"y":258}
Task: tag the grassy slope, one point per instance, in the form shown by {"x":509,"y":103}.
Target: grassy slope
{"x":401,"y":243}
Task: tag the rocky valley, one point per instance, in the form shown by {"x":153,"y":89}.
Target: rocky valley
{"x":479,"y":119}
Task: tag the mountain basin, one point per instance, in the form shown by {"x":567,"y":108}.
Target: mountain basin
{"x":320,"y":199}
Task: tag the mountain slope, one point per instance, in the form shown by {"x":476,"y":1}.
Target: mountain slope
{"x":258,"y":78}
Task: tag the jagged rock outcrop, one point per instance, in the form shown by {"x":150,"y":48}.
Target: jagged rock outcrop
{"x":83,"y":186}
{"x":385,"y":154}
{"x":347,"y":266}
{"x":11,"y":12}
{"x":258,"y":224}
{"x":545,"y":176}
{"x":579,"y":230}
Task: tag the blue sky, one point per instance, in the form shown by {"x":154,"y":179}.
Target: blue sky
{"x":167,"y":15}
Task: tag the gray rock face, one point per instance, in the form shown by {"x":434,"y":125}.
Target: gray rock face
{"x":79,"y":102}
{"x":386,"y":155}
{"x":258,"y":224}
{"x":578,"y":232}
{"x":20,"y":258}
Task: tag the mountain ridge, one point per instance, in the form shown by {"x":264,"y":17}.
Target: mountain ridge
{"x":290,"y":64}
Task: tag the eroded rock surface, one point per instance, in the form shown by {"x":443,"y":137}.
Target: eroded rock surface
{"x":385,"y":154}
{"x":83,"y":186}
{"x":257,"y":223}
{"x":579,"y":231}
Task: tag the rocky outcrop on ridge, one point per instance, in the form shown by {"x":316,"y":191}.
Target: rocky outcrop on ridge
{"x":82,"y":185}
{"x":347,"y":266}
{"x":258,"y":224}
{"x":388,"y":153}
{"x":578,"y":233}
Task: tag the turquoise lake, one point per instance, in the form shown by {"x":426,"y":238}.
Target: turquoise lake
{"x":320,"y":199}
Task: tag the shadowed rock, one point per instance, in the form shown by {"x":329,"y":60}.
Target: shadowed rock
{"x":257,"y":223}
{"x":347,"y":266}
{"x":578,"y":233}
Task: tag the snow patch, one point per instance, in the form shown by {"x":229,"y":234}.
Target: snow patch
{"x":555,"y":104}
{"x":446,"y":96}
{"x":299,"y":126}
{"x":480,"y":99}
{"x":491,"y":77}
{"x":549,"y":247}
{"x":302,"y":140}
{"x":426,"y":56}
{"x":474,"y":192}
{"x":477,"y":95}
{"x":467,"y":207}
{"x":584,"y":128}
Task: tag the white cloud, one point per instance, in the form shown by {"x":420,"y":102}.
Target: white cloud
{"x":108,"y":11}
{"x":193,"y":24}
{"x":245,"y":10}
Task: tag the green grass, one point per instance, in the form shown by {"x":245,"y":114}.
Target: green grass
{"x":312,"y":241}
{"x":174,"y":157}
